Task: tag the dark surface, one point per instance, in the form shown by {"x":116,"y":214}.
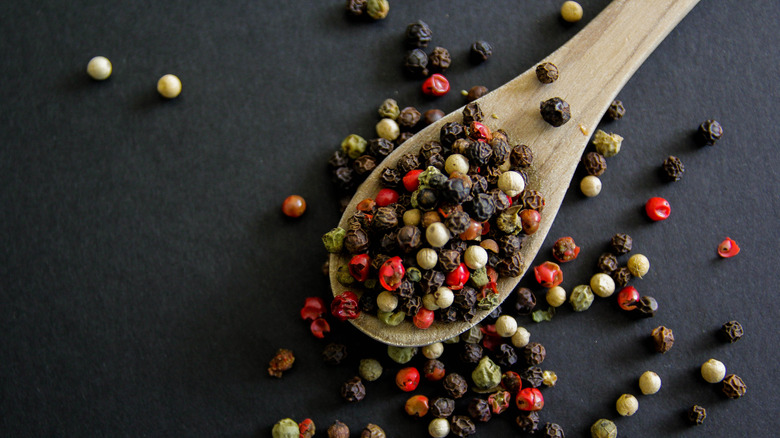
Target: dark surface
{"x":147,"y":275}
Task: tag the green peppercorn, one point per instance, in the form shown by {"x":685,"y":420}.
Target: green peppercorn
{"x":603,"y":428}
{"x":486,"y":375}
{"x":334,"y":240}
{"x":286,"y":428}
{"x":607,"y":145}
{"x":479,"y":277}
{"x":581,"y":298}
{"x":401,"y":355}
{"x":377,"y":9}
{"x":370,"y":369}
{"x":391,"y":318}
{"x":343,"y":276}
{"x":389,"y":109}
{"x":354,"y":145}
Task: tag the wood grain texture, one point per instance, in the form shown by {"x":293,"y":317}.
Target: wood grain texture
{"x":594,"y":65}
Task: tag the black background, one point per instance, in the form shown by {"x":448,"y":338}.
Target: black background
{"x":147,"y":274}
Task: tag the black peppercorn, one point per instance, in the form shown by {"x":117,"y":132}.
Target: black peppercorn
{"x":403,"y":136}
{"x":616,"y":110}
{"x":506,"y":356}
{"x":418,"y":34}
{"x":441,"y":407}
{"x":481,"y":208}
{"x":696,"y":415}
{"x":405,"y":290}
{"x":465,"y":298}
{"x":472,"y":113}
{"x":533,"y":200}
{"x":534,"y":353}
{"x":384,"y":218}
{"x":416,"y":63}
{"x":410,"y":305}
{"x":380,"y":147}
{"x":334,"y":354}
{"x":462,"y":426}
{"x":547,"y":72}
{"x":408,"y":118}
{"x":528,"y":422}
{"x":364,"y":164}
{"x":449,"y":260}
{"x":450,"y":314}
{"x":595,"y":163}
{"x":555,"y":111}
{"x":646,"y":307}
{"x":409,"y":238}
{"x":622,"y":276}
{"x":430,"y":148}
{"x":432,"y":116}
{"x":532,"y":376}
{"x":521,"y":156}
{"x":526,"y":301}
{"x":552,"y":430}
{"x":390,"y":178}
{"x":607,"y":263}
{"x":732,"y":331}
{"x":450,"y":132}
{"x":367,"y":302}
{"x":710,"y":131}
{"x":356,"y":241}
{"x":621,"y":243}
{"x":501,"y":151}
{"x":439,"y":60}
{"x":426,"y":199}
{"x":673,"y":168}
{"x":733,"y":386}
{"x":479,"y":153}
{"x":338,"y":159}
{"x":455,"y":385}
{"x":456,"y":190}
{"x":471,"y":353}
{"x":663,"y":339}
{"x":343,"y":177}
{"x":500,"y":199}
{"x":479,"y":184}
{"x":356,"y":8}
{"x":510,"y":266}
{"x":407,"y":162}
{"x":435,"y":160}
{"x":476,"y":92}
{"x":510,"y":244}
{"x":353,"y":390}
{"x":458,"y":222}
{"x":480,"y":51}
{"x":373,"y":431}
{"x":479,"y":410}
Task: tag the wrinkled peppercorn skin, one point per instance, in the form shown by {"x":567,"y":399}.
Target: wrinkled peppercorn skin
{"x":733,"y":386}
{"x":710,"y":131}
{"x":616,"y":110}
{"x":547,"y":72}
{"x":673,"y":168}
{"x":528,"y":422}
{"x":663,"y":339}
{"x":595,"y":164}
{"x":696,"y":415}
{"x":732,"y":331}
{"x":353,"y":390}
{"x":555,"y":111}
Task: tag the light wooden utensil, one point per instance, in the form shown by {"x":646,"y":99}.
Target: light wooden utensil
{"x":594,"y":65}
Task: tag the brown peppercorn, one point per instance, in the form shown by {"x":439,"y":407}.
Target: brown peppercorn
{"x":338,"y":430}
{"x":450,"y":132}
{"x":511,"y":266}
{"x":441,"y":407}
{"x":390,"y":178}
{"x":506,"y":356}
{"x":555,"y":111}
{"x":462,"y":426}
{"x":472,"y":113}
{"x":471,"y":353}
{"x":449,"y":260}
{"x":528,"y":421}
{"x":607,"y":263}
{"x":465,"y":298}
{"x":407,"y":162}
{"x":411,"y":305}
{"x":353,"y":390}
{"x":595,"y":163}
{"x":364,"y":164}
{"x":409,"y":239}
{"x":526,"y":301}
{"x":622,"y":276}
{"x":534,"y":353}
{"x":552,"y":430}
{"x":455,"y":385}
{"x":521,"y":156}
{"x":673,"y":168}
{"x":356,"y":8}
{"x":418,"y":34}
{"x":532,"y":376}
{"x":710,"y":131}
{"x":372,"y":431}
{"x":732,"y":331}
{"x":646,"y":307}
{"x":431,"y":281}
{"x":405,"y":135}
{"x":408,"y":118}
{"x":338,"y":159}
{"x":547,"y":72}
{"x":696,"y":415}
{"x":334,"y":354}
{"x":281,"y":362}
{"x":533,"y":200}
{"x":428,"y":218}
{"x":439,"y":60}
{"x":621,"y":243}
{"x":616,"y":110}
{"x":476,"y":92}
{"x":479,"y":410}
{"x":432,"y":116}
{"x":663,"y":339}
{"x":733,"y":386}
{"x":356,"y":241}
{"x":343,"y":177}
{"x":480,"y":51}
{"x":416,"y":63}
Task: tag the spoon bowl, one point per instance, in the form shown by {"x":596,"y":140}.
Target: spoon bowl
{"x":594,"y":65}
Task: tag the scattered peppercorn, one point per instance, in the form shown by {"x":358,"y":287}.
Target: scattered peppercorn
{"x":525,"y":301}
{"x":646,"y":307}
{"x":169,"y":86}
{"x":99,"y":68}
{"x":627,"y":405}
{"x":281,"y":362}
{"x":547,"y":72}
{"x":616,"y":110}
{"x":555,"y":111}
{"x":479,"y":410}
{"x":436,"y":85}
{"x":356,"y":8}
{"x":649,"y":383}
{"x":416,"y":63}
{"x":432,"y":116}
{"x":353,"y":390}
{"x":462,"y":426}
{"x":607,"y":263}
{"x":565,"y":250}
{"x":455,"y":385}
{"x":441,"y":407}
{"x":594,"y":163}
{"x":696,"y":415}
{"x":439,"y":60}
{"x":377,"y":9}
{"x":370,"y":369}
{"x":581,"y":298}
{"x":418,"y":34}
{"x":603,"y":428}
{"x":571,"y":11}
{"x":590,"y":186}
{"x":733,"y":386}
{"x":534,"y":353}
{"x":728,"y":248}
{"x":628,"y":298}
{"x":552,"y":430}
{"x":439,"y":428}
{"x":673,"y":168}
{"x":663,"y":339}
{"x":710,"y":131}
{"x":338,"y":430}
{"x":621,"y":243}
{"x":532,"y":377}
{"x":657,"y":209}
{"x":639,"y":265}
{"x":607,"y":145}
{"x":622,"y":276}
{"x":480,"y":51}
{"x":285,"y":428}
{"x":528,"y":422}
{"x":732,"y":331}
{"x":476,"y":92}
{"x":713,"y":371}
{"x":306,"y":428}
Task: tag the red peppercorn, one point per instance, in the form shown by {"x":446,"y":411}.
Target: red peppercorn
{"x":359,"y":267}
{"x":472,"y":232}
{"x":312,"y":308}
{"x":548,"y":274}
{"x":407,"y":379}
{"x":657,"y":209}
{"x":628,"y":298}
{"x":490,"y":339}
{"x":423,"y":318}
{"x":565,"y":250}
{"x":411,"y":180}
{"x":417,"y":406}
{"x":728,"y":248}
{"x":499,"y":401}
{"x":306,"y":428}
{"x":345,"y":306}
{"x":530,"y":399}
{"x":456,"y":279}
{"x":511,"y":381}
{"x":366,"y":206}
{"x":436,"y":85}
{"x":479,"y":132}
{"x":391,"y":273}
{"x":530,"y":220}
{"x":319,"y":327}
{"x":386,"y":197}
{"x":293,"y":206}
{"x":435,"y":371}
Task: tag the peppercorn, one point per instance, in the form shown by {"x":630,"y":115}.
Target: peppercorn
{"x":649,"y":383}
{"x":533,"y":200}
{"x":555,"y":111}
{"x":471,"y":353}
{"x":595,"y":163}
{"x":306,"y":429}
{"x":713,"y":371}
{"x":534,"y":353}
{"x":732,"y":331}
{"x":627,"y":405}
{"x":639,"y":265}
{"x":607,"y":263}
{"x":663,"y":339}
{"x":436,"y":85}
{"x":673,"y":168}
{"x":628,"y":298}
{"x":462,"y":426}
{"x":364,"y":164}
{"x":530,"y":399}
{"x":480,"y":51}
{"x":476,"y":92}
{"x":555,"y":296}
{"x":607,"y":145}
{"x":432,"y":116}
{"x":285,"y":428}
{"x":407,"y":379}
{"x":169,"y":86}
{"x":571,"y":11}
{"x":389,"y":177}
{"x":455,"y":385}
{"x":552,"y":430}
{"x":334,"y":354}
{"x":657,"y":209}
{"x":710,"y":131}
{"x":388,"y":129}
{"x":439,"y":60}
{"x":356,"y":8}
{"x":401,"y":355}
{"x":581,"y":298}
{"x":99,"y":68}
{"x":479,"y":410}
{"x":409,"y":238}
{"x":377,"y":9}
{"x":733,"y":386}
{"x":621,"y":243}
{"x":547,"y":72}
{"x":338,"y":430}
{"x":616,"y":110}
{"x":528,"y":422}
{"x":532,"y":377}
{"x":548,"y":274}
{"x":418,"y":34}
{"x":439,"y":428}
{"x":646,"y":307}
{"x":549,"y":378}
{"x":472,"y":113}
{"x":353,"y":390}
{"x":370,"y":369}
{"x":621,"y":276}
{"x":602,"y":285}
{"x":408,"y":118}
{"x":603,"y":428}
{"x":506,"y":355}
{"x":372,"y":431}
{"x":525,"y":301}
{"x":416,"y":63}
{"x":696,"y":415}
{"x":281,"y":362}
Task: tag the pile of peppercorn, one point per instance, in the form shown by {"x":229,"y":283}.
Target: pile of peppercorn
{"x":451,"y":219}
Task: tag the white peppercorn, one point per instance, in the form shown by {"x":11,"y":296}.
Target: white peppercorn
{"x":386,"y":301}
{"x":475,"y":257}
{"x":444,"y":297}
{"x":370,"y":369}
{"x":602,"y":285}
{"x":433,"y":351}
{"x":388,"y":129}
{"x":627,"y":405}
{"x":427,"y":258}
{"x":437,"y":234}
{"x":439,"y":427}
{"x":571,"y":11}
{"x":649,"y":383}
{"x":456,"y":163}
{"x":521,"y":337}
{"x":169,"y":86}
{"x":590,"y":186}
{"x":556,"y":296}
{"x":603,"y":428}
{"x":99,"y":68}
{"x":639,"y":265}
{"x":511,"y":183}
{"x":506,"y":326}
{"x":429,"y":302}
{"x":713,"y":371}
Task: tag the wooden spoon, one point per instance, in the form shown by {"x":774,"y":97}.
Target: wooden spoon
{"x":594,"y":65}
